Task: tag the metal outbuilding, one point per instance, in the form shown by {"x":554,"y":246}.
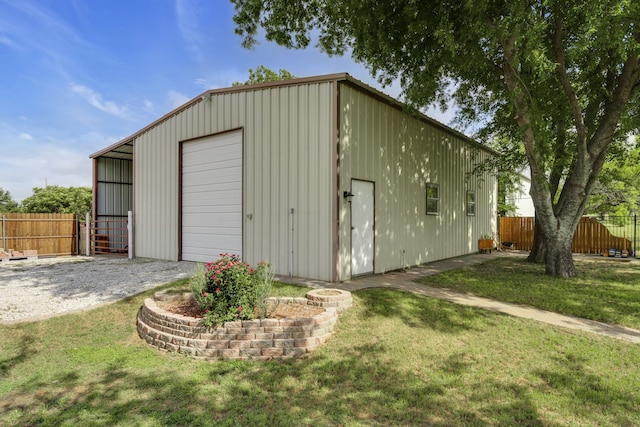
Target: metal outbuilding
{"x":323,"y":177}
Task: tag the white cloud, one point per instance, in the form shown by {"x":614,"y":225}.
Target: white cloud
{"x":176,"y":99}
{"x":44,"y":17}
{"x":7,"y":41}
{"x":202,"y":83}
{"x":28,"y":166}
{"x":26,"y":136}
{"x":53,"y":160}
{"x":222,"y":78}
{"x":149,"y":106}
{"x":95,"y":100}
{"x":26,"y":21}
{"x":188,"y":13}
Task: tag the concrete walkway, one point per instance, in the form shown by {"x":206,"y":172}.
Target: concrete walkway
{"x":405,"y":280}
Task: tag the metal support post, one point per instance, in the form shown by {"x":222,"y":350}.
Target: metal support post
{"x":87,"y":233}
{"x":130,"y":234}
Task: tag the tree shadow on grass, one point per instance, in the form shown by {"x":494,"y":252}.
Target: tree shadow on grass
{"x":423,"y":312}
{"x":605,"y":292}
{"x":342,"y":383}
{"x":572,"y":377}
{"x":25,"y":350}
{"x":346,"y":382}
{"x":318,"y":390}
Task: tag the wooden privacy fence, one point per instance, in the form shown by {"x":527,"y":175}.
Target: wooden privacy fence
{"x":49,"y":234}
{"x":591,"y":237}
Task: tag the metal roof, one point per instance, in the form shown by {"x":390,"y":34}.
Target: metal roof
{"x":123,"y":149}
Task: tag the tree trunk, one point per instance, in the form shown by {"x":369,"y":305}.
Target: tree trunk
{"x":538,"y":249}
{"x":559,"y":259}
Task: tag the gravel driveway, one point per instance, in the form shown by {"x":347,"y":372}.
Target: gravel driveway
{"x":41,"y":288}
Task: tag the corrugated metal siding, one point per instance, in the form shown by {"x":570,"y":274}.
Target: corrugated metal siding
{"x":114,"y":196}
{"x":401,"y":154}
{"x":212,"y":196}
{"x":114,"y":186}
{"x":287,"y":164}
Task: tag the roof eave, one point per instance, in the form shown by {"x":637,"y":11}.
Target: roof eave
{"x":232,"y":89}
{"x":336,"y":77}
{"x":389,"y":99}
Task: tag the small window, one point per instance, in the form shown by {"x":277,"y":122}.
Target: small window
{"x":433,"y":199}
{"x":471,"y":203}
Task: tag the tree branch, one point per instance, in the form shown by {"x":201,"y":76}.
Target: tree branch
{"x":561,"y":72}
{"x":521,"y":103}
{"x":626,"y":84}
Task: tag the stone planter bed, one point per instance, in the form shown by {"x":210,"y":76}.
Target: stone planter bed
{"x":258,"y":339}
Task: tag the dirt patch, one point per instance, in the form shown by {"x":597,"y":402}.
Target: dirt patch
{"x":329,"y":292}
{"x":283,"y":310}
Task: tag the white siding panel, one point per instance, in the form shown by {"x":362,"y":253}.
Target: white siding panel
{"x":212,"y":197}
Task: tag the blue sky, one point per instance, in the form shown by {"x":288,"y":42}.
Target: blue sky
{"x":79,"y":75}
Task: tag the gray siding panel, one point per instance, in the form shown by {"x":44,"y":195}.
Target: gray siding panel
{"x":380,"y":143}
{"x":114,"y":196}
{"x":114,"y":186}
{"x":288,"y":154}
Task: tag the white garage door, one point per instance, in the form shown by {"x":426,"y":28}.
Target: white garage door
{"x":212,"y":197}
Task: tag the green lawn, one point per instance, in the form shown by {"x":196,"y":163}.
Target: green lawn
{"x":605,"y":290}
{"x":395,"y":359}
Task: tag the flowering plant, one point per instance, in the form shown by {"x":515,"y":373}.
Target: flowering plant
{"x":228,"y":289}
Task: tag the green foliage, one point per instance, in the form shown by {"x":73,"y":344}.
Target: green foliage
{"x":228,"y":289}
{"x":263,"y":74}
{"x":7,"y":204}
{"x":508,"y":184}
{"x":55,"y":199}
{"x":617,"y":191}
{"x":506,"y":167}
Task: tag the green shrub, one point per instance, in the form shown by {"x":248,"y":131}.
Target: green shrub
{"x":228,"y":289}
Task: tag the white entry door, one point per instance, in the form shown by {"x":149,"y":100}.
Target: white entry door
{"x":212,"y":197}
{"x":362,"y":211}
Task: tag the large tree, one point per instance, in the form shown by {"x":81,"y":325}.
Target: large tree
{"x":55,"y":199}
{"x":558,"y":77}
{"x":263,"y":74}
{"x":7,"y":204}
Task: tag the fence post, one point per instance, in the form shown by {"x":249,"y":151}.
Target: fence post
{"x":130,"y":234}
{"x":3,"y":234}
{"x":76,"y":223}
{"x":87,"y":234}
